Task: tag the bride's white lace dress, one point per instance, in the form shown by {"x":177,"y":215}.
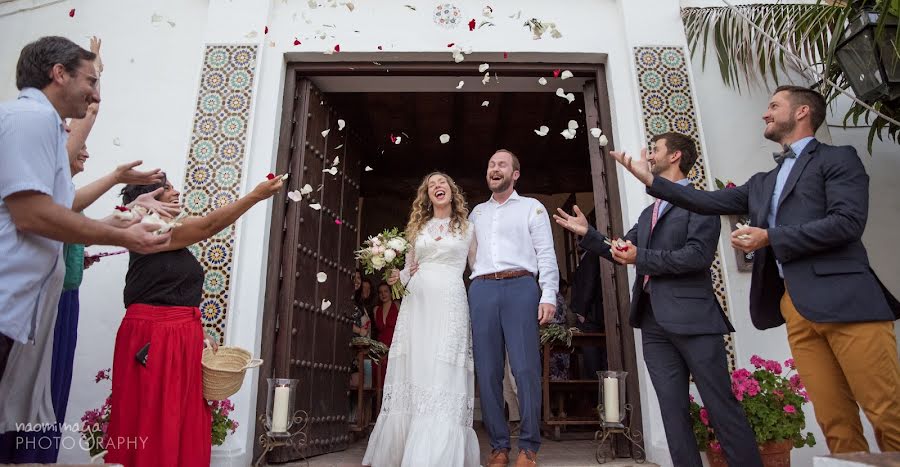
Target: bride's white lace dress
{"x":429,"y":389}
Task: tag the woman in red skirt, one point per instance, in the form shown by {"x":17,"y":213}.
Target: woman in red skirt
{"x":158,"y":415}
{"x":385,"y":314}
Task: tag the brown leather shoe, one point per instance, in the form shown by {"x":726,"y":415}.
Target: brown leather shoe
{"x":498,"y":458}
{"x":527,"y":458}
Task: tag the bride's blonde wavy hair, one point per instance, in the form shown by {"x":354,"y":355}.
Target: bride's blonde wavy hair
{"x":422,"y":211}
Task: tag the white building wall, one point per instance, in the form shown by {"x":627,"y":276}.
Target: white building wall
{"x":150,"y":88}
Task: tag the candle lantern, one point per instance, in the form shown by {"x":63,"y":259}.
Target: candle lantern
{"x":612,"y":397}
{"x":280,"y":406}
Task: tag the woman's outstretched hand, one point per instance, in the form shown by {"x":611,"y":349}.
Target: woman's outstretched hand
{"x":267,"y":188}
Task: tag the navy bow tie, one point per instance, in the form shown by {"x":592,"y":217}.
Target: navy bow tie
{"x":788,"y":153}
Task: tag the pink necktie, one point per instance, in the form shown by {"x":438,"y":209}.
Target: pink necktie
{"x":653,"y":220}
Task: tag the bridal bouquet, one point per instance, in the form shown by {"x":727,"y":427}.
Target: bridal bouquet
{"x":385,"y":251}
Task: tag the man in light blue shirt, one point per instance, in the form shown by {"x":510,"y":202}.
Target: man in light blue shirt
{"x":56,"y":79}
{"x":789,"y":157}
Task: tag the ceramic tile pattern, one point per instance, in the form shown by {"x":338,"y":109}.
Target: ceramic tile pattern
{"x":668,"y":105}
{"x":214,"y":164}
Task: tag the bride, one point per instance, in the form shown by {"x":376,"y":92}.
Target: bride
{"x":429,"y":391}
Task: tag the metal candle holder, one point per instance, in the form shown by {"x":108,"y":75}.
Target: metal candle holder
{"x":615,"y":418}
{"x":295,"y":438}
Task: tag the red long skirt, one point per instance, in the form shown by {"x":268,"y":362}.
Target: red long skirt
{"x":158,"y":416}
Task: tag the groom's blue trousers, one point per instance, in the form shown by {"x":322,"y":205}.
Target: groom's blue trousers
{"x":505,"y":319}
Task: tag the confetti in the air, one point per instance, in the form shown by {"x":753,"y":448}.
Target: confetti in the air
{"x":569,"y":97}
{"x":325,"y":132}
{"x":542,"y":131}
{"x":471,"y":24}
{"x":72,"y":13}
{"x":296,"y":41}
{"x":483,"y":67}
{"x":460,"y":85}
{"x":321,"y":277}
{"x":368,"y":169}
{"x":341,"y":124}
{"x":566,"y":74}
{"x":444,"y":138}
{"x":542,"y":81}
{"x":315,"y":206}
{"x":294,"y":196}
{"x":485,"y":103}
{"x":325,"y":304}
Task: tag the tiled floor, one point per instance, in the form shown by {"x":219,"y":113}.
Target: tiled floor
{"x":553,"y":454}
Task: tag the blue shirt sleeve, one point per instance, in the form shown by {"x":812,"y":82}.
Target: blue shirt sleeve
{"x":29,"y":142}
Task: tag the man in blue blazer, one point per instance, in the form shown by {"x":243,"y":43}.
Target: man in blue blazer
{"x":811,"y":269}
{"x":673,"y":303}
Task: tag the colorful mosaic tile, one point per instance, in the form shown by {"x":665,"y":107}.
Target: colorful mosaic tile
{"x":668,"y":106}
{"x":214,"y":163}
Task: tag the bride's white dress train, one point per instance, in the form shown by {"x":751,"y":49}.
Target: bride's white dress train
{"x":429,"y":389}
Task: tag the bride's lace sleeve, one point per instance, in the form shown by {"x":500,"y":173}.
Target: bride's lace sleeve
{"x":405,"y":274}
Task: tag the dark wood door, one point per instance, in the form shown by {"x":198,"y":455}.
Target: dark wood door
{"x":307,"y":325}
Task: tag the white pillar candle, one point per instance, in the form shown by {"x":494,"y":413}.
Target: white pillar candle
{"x":280,"y":409}
{"x":611,"y":399}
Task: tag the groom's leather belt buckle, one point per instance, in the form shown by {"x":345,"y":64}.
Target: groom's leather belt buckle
{"x":506,"y":275}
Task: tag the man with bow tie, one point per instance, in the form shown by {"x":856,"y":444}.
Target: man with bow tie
{"x":674,"y":305}
{"x":811,"y":269}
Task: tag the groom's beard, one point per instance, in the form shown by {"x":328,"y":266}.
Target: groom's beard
{"x":503,"y":186}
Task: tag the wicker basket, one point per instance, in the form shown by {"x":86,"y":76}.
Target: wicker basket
{"x":223,"y":371}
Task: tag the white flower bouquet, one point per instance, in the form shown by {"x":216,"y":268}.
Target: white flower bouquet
{"x":385,"y":252}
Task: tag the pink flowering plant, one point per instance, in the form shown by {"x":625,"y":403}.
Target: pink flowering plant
{"x":772,"y":399}
{"x":95,"y":422}
{"x":221,"y":423}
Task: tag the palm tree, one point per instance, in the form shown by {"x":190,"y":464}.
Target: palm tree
{"x":810,"y":31}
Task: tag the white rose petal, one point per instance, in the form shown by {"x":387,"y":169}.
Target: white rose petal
{"x":486,"y":79}
{"x":315,"y":206}
{"x":307,"y":189}
{"x":378,"y":262}
{"x":321,"y":277}
{"x":341,"y":124}
{"x":294,"y":196}
{"x":458,"y":56}
{"x":369,"y":169}
{"x":325,"y":304}
{"x":444,"y":138}
{"x":596,"y":132}
{"x":389,"y":255}
{"x":485,"y":103}
{"x":603,"y":140}
{"x":566,"y":74}
{"x":542,"y":81}
{"x":460,"y":85}
{"x":568,"y":134}
{"x":325,"y":133}
{"x":542,"y":131}
{"x":337,"y":160}
{"x":573,"y":125}
{"x":285,"y":177}
{"x":117,"y":142}
{"x":483,"y":67}
{"x":397,"y":141}
{"x":332,"y":171}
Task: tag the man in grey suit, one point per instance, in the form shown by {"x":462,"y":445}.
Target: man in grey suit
{"x":812,"y":271}
{"x":673,"y":303}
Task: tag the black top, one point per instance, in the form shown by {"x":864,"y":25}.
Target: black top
{"x":169,"y":278}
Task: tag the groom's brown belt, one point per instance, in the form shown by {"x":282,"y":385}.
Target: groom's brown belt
{"x":506,"y":274}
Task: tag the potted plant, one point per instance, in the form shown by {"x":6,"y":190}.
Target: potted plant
{"x":744,"y":260}
{"x":95,"y":422}
{"x":773,"y":402}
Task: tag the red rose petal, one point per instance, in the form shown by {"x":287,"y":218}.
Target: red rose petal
{"x":505,"y":55}
{"x":337,"y":48}
{"x":270,"y":176}
{"x":72,"y":13}
{"x":266,"y":31}
{"x":556,"y":73}
{"x":472,"y":25}
{"x":296,"y":41}
{"x":122,"y":208}
{"x":338,"y":221}
{"x":393,"y":139}
{"x":451,"y":44}
{"x":380,"y":48}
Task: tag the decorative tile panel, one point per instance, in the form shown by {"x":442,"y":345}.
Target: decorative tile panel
{"x":214,"y":163}
{"x":667,"y":105}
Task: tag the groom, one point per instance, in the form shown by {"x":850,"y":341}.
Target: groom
{"x":514,"y":244}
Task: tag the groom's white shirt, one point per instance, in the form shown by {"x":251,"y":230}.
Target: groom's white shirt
{"x":516,"y":235}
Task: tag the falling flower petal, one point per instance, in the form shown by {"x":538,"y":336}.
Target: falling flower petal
{"x":397,"y":141}
{"x":285,"y":177}
{"x":294,"y":196}
{"x":321,"y":277}
{"x":339,"y":146}
{"x":570,"y":97}
{"x":450,"y":45}
{"x":487,"y":11}
{"x":393,"y":139}
{"x":251,"y":35}
{"x":337,"y":160}
{"x":603,"y":140}
{"x":72,"y":13}
{"x":266,"y":30}
{"x":337,"y":47}
{"x":485,"y":103}
{"x":307,"y":189}
{"x":410,"y":7}
{"x":444,"y":138}
{"x":542,"y":131}
{"x":542,"y":81}
{"x":566,"y":74}
{"x":486,"y":79}
{"x":471,"y":24}
{"x":368,"y":169}
{"x":270,"y":176}
{"x":296,"y":41}
{"x":483,"y":67}
{"x":573,"y":125}
{"x":341,"y":124}
{"x":315,"y":206}
{"x":117,"y":142}
{"x":460,"y":85}
{"x":505,"y":55}
{"x":338,"y":221}
{"x":325,"y":304}
{"x":568,"y":133}
{"x":380,"y":48}
{"x":325,"y":133}
{"x":596,"y":132}
{"x":332,"y":171}
{"x":556,"y":73}
{"x":350,"y":6}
